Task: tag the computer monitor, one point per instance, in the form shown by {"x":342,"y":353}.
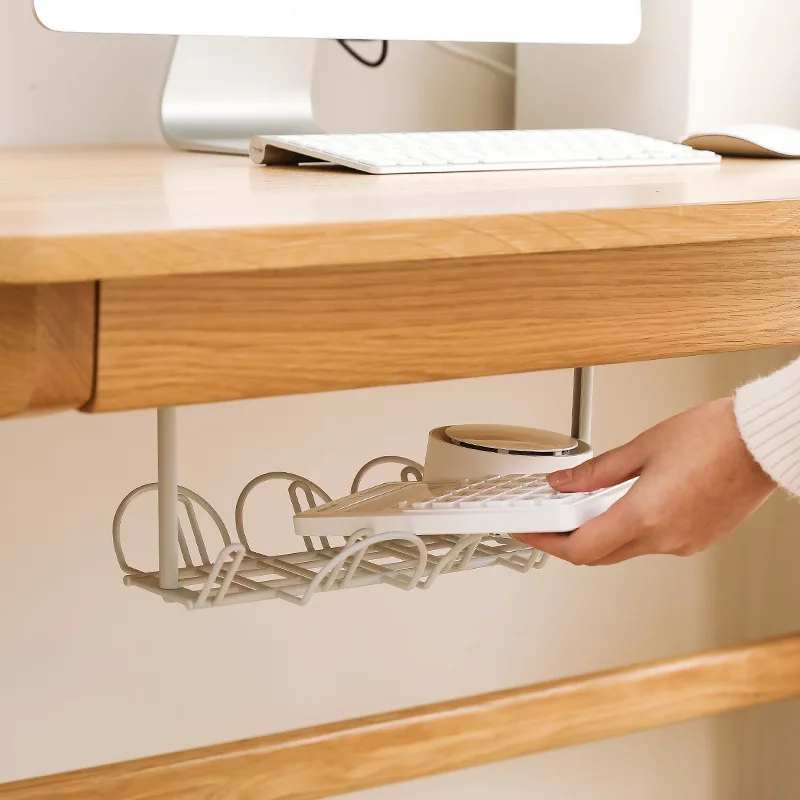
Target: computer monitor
{"x":227,"y":82}
{"x":566,"y":21}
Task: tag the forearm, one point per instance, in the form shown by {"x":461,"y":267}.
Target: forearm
{"x":768,"y":415}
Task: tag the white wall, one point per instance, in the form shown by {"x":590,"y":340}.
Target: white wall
{"x":641,"y":88}
{"x":745,"y":60}
{"x":72,"y":89}
{"x":93,"y":672}
{"x":699,"y":64}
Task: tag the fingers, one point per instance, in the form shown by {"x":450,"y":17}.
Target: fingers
{"x":592,"y":542}
{"x":609,"y":469}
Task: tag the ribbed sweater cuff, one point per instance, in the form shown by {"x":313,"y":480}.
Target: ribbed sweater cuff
{"x":768,"y":415}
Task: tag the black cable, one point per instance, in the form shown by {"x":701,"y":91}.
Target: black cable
{"x":366,"y":62}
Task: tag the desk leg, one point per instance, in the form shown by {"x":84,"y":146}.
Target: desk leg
{"x":47,"y":335}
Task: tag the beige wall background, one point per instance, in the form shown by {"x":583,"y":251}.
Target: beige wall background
{"x":744,"y":55}
{"x":91,"y":672}
{"x":699,"y":65}
{"x":641,"y":88}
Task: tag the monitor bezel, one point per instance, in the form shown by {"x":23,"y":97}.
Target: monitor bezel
{"x":583,"y":22}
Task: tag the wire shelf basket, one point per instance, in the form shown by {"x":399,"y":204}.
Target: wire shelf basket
{"x":240,"y":574}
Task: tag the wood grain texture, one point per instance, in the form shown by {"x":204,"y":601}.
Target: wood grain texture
{"x":91,"y":214}
{"x":175,"y":341}
{"x":46,"y":347}
{"x":429,"y":740}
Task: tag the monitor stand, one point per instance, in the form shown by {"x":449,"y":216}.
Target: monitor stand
{"x":222,"y":91}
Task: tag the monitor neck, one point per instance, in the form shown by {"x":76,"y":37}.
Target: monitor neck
{"x":222,"y":91}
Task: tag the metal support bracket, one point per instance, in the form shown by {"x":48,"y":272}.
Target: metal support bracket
{"x":222,"y":91}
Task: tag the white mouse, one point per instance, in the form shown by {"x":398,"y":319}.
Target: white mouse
{"x":765,"y":141}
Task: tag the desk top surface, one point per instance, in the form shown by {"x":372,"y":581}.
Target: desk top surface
{"x":88,"y":214}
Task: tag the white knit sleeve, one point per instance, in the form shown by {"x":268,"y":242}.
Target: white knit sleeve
{"x":768,"y":415}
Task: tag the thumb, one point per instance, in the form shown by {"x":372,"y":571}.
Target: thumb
{"x":609,"y":469}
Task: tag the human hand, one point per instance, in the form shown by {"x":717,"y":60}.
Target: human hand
{"x":697,"y":482}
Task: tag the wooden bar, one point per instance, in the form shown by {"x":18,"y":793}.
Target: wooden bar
{"x":47,"y":334}
{"x":374,"y":751}
{"x":206,"y":338}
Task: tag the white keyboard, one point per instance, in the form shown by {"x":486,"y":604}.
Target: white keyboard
{"x":466,"y":151}
{"x":499,"y":506}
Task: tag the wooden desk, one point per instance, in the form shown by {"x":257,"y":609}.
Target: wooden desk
{"x":136,"y":278}
{"x":141,"y":278}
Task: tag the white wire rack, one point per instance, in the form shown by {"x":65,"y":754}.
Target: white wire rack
{"x":238,"y":573}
